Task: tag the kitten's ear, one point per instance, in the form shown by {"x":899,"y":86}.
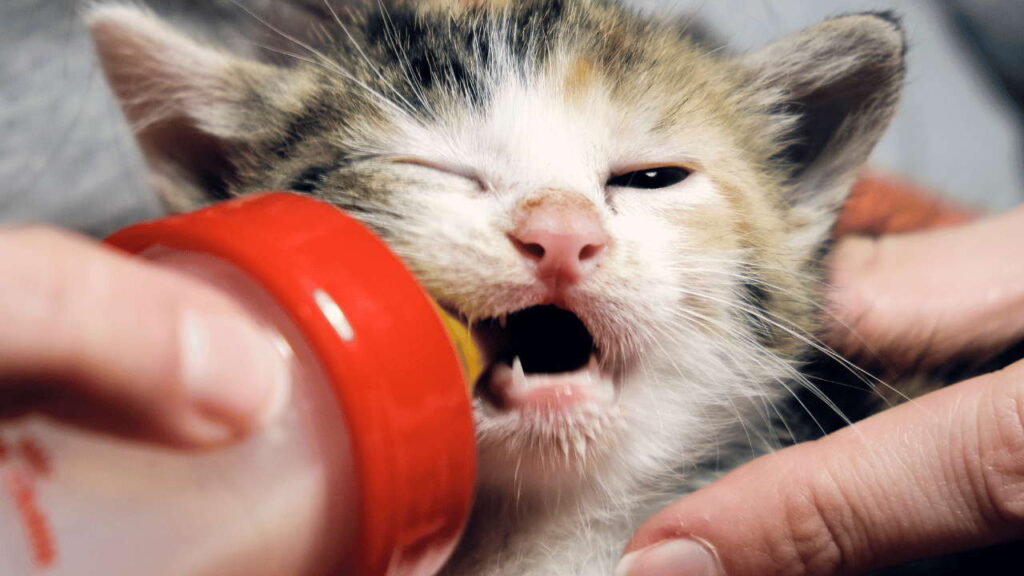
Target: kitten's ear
{"x":194,"y":109}
{"x":836,"y":85}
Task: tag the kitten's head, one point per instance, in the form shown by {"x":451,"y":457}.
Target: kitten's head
{"x":631,"y":224}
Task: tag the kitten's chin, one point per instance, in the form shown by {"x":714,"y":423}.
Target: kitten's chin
{"x":545,"y":434}
{"x":545,"y":452}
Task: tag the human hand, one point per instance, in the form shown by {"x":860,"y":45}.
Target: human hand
{"x":931,"y":477}
{"x":920,"y":299}
{"x":100,"y":339}
{"x":941,"y":474}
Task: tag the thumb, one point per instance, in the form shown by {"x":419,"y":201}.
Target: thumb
{"x":99,"y":339}
{"x":938,"y":475}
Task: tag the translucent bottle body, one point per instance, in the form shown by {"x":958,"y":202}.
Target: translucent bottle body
{"x":282,"y":502}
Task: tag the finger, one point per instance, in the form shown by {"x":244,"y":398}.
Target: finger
{"x":107,"y":340}
{"x":931,"y":295}
{"x":937,"y":476}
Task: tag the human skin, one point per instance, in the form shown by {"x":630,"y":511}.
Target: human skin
{"x":930,"y":296}
{"x":104,"y":340}
{"x":939,"y":474}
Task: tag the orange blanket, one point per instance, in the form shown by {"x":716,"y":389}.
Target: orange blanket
{"x":882,"y":203}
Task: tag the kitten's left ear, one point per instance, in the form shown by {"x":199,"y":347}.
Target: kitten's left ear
{"x":835,"y":87}
{"x":195,"y":109}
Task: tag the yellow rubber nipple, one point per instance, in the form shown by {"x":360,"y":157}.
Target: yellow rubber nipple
{"x":469,"y":354}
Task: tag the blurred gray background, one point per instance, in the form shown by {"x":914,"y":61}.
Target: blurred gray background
{"x":66,"y":155}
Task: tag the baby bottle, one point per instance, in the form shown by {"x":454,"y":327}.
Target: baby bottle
{"x":368,"y":470}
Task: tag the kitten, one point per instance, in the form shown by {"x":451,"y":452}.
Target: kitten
{"x":633,"y":225}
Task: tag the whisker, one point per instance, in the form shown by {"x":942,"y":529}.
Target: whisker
{"x":362,"y":54}
{"x":786,"y":367}
{"x":391,"y":37}
{"x":812,"y":280}
{"x":331,"y":64}
{"x":868,"y":379}
{"x":815,"y":390}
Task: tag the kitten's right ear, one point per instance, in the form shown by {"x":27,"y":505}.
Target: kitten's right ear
{"x":194,"y":109}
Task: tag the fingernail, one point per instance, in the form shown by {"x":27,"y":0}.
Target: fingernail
{"x":199,"y":430}
{"x":671,"y":558}
{"x":236,"y":373}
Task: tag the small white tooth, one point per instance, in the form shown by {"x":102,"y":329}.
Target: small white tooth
{"x":518,"y":374}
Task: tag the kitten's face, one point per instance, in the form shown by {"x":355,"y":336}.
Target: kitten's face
{"x":601,"y":201}
{"x":639,"y":162}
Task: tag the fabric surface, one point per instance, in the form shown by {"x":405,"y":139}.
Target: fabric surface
{"x":882,"y":203}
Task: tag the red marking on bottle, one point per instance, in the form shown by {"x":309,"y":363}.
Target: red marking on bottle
{"x":35,"y":455}
{"x":33,"y":519}
{"x":4,"y":450}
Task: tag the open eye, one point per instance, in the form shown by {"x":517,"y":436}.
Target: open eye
{"x":650,"y":178}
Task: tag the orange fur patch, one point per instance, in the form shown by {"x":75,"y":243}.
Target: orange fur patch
{"x":581,"y":75}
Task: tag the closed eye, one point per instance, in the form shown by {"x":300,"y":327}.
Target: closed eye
{"x":461,"y":171}
{"x":650,"y":178}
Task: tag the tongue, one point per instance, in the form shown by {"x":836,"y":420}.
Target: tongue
{"x":550,"y":392}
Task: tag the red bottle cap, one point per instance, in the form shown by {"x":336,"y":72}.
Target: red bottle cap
{"x":395,"y":374}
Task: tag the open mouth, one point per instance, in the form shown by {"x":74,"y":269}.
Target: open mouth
{"x":543,"y":358}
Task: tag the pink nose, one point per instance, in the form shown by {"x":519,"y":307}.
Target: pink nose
{"x":564,"y":241}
